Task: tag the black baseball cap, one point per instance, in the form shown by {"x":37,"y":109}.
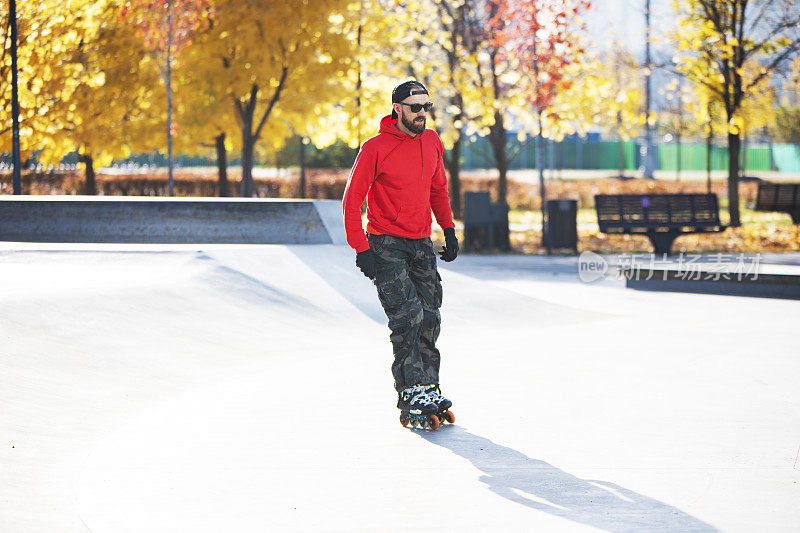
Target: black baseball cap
{"x":406,"y":89}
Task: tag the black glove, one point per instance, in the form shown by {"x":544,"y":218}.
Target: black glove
{"x":366,"y":262}
{"x":450,"y":249}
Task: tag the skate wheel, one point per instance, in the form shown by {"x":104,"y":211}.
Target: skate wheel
{"x":404,"y":421}
{"x":433,"y":421}
{"x":449,"y":417}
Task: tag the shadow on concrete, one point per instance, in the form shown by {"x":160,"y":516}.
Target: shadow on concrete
{"x":470,"y":297}
{"x":235,"y":282}
{"x":336,"y":265}
{"x":543,"y":487}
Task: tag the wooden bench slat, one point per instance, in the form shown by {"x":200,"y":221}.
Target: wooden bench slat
{"x":778,"y":196}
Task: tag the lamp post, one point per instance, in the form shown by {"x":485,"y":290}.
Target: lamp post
{"x":649,"y":162}
{"x":17,"y":174}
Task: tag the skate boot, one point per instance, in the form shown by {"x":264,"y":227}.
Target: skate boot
{"x":417,"y":409}
{"x":443,"y":404}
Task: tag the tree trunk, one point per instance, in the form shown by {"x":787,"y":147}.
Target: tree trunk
{"x":302,"y":155}
{"x":497,"y":136}
{"x":246,"y":112}
{"x":678,"y":158}
{"x":743,"y":151}
{"x":542,"y":191}
{"x":621,"y":158}
{"x":248,"y":144}
{"x":169,"y":99}
{"x":734,"y":143}
{"x":709,"y":148}
{"x":91,"y":184}
{"x":15,"y":150}
{"x":222,"y":165}
{"x":453,"y":164}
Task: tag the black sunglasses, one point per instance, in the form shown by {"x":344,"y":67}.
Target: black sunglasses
{"x":416,"y":108}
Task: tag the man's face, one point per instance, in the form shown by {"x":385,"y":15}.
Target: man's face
{"x":415,"y":122}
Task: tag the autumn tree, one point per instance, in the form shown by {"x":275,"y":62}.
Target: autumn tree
{"x":111,"y":111}
{"x":47,"y":41}
{"x":205,"y":117}
{"x":11,"y":49}
{"x":785,"y":125}
{"x":676,"y":119}
{"x":374,"y":27}
{"x":276,"y":63}
{"x":500,"y":76}
{"x":757,"y":111}
{"x":724,"y":35}
{"x":82,"y":79}
{"x":203,"y":106}
{"x":447,"y":37}
{"x":612,"y":82}
{"x":360,"y":89}
{"x":538,"y":38}
{"x":708,"y":112}
{"x":166,"y":26}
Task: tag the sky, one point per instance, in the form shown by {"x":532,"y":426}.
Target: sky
{"x":625,"y":20}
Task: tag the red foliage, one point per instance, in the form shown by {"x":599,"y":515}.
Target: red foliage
{"x":167,"y":24}
{"x":540,"y":36}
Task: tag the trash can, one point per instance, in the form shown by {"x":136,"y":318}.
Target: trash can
{"x":562,"y":224}
{"x":485,"y":223}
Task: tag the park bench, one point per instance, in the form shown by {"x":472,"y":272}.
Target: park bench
{"x":779,"y":197}
{"x":661,"y":217}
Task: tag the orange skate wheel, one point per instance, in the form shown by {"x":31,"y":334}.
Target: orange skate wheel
{"x":433,"y":421}
{"x":449,"y":417}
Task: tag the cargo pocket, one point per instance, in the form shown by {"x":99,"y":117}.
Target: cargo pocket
{"x":391,"y":293}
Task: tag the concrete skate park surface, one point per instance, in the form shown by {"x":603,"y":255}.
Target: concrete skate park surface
{"x":247,"y":388}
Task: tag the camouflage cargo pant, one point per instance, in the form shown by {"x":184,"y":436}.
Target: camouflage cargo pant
{"x":410,"y":291}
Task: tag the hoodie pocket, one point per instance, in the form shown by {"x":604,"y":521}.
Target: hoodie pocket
{"x":414,"y":219}
{"x":397,"y":216}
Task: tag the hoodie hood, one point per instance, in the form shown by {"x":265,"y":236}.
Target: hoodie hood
{"x":389,"y":125}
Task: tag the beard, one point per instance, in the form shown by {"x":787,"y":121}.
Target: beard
{"x":417,"y":125}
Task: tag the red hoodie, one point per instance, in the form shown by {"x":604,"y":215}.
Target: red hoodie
{"x":402,"y":178}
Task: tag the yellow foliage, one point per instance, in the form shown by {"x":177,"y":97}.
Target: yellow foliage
{"x":708,"y":49}
{"x":80,"y":81}
{"x":260,"y":59}
{"x":611,"y":93}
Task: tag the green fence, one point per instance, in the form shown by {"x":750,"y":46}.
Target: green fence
{"x":786,"y":157}
{"x":605,"y":155}
{"x":565,"y":154}
{"x":693,"y":157}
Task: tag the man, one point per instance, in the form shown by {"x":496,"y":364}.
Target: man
{"x":401,"y":174}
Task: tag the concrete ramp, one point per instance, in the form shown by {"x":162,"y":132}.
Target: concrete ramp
{"x":158,"y":220}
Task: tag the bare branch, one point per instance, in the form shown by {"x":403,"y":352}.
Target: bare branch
{"x":788,"y":52}
{"x":273,"y":101}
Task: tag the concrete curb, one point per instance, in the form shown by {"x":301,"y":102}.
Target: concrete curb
{"x":127,"y":219}
{"x":784,"y":283}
